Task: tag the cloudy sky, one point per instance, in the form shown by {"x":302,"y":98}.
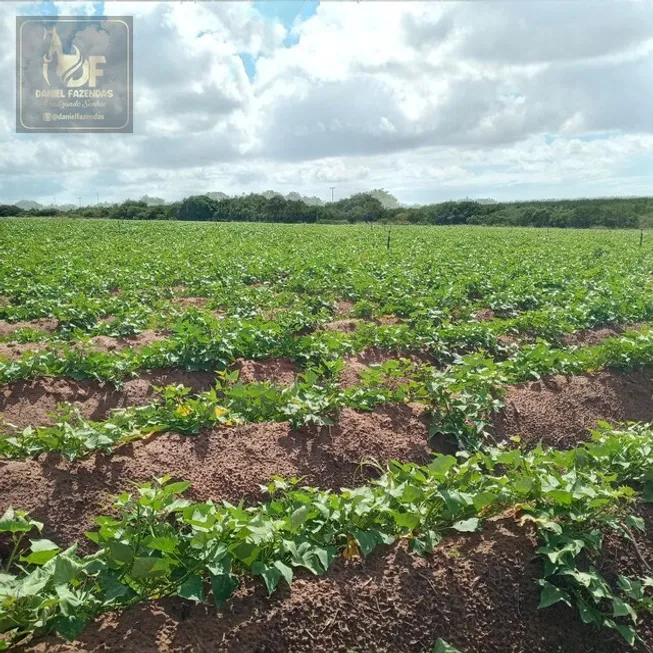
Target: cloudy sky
{"x":429,"y":100}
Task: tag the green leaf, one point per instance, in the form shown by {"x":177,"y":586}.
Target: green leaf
{"x":483,"y":499}
{"x":467,"y":525}
{"x":588,"y":615}
{"x":523,"y":485}
{"x":166,"y":544}
{"x":299,"y":516}
{"x":627,"y":632}
{"x":285,"y":570}
{"x":636,"y":522}
{"x":113,"y":589}
{"x":425,"y":544}
{"x":66,"y":567}
{"x":406,"y":520}
{"x":33,"y":583}
{"x":121,"y":552}
{"x":561,"y":497}
{"x":325,"y":555}
{"x":42,"y":552}
{"x":622,"y":609}
{"x":143,"y":567}
{"x":551,"y":595}
{"x":192,"y":589}
{"x":453,"y":500}
{"x":442,"y":464}
{"x":367,"y":541}
{"x":647,"y":492}
{"x":70,"y":627}
{"x":443,"y":647}
{"x":246,"y":552}
{"x":223,"y":586}
{"x":177,"y":488}
{"x":271,"y":575}
{"x":15,"y":522}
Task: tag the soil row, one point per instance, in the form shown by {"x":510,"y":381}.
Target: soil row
{"x":226,"y":463}
{"x":231,"y":462}
{"x":31,"y":402}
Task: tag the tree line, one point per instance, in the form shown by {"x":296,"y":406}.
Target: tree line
{"x":617,"y":213}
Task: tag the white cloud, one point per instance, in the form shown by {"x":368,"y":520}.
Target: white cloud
{"x":430,"y":100}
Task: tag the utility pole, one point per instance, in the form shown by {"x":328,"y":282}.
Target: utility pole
{"x":79,"y":197}
{"x":332,"y":189}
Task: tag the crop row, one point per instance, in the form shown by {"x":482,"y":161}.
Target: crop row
{"x":200,"y":341}
{"x":462,"y":398}
{"x":159,"y":544}
{"x":83,"y":269}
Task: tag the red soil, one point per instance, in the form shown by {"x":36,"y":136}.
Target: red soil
{"x":346,"y":326}
{"x":387,"y":320}
{"x":596,"y":335}
{"x":274,"y":370}
{"x":343,"y":308}
{"x":476,"y":591}
{"x":109,"y":344}
{"x":30,"y":402}
{"x":14,"y":351}
{"x":185,"y":302}
{"x":484,"y":315}
{"x":560,"y":410}
{"x":46,"y":324}
{"x":349,"y":325}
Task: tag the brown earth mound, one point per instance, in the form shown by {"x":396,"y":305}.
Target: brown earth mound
{"x":185,"y":302}
{"x":343,"y":308}
{"x":347,"y":326}
{"x":14,"y":351}
{"x":30,"y":402}
{"x":387,"y":320}
{"x":476,"y":592}
{"x":484,"y":315}
{"x":355,"y":366}
{"x":46,"y":324}
{"x":109,"y":344}
{"x":560,"y":410}
{"x":226,"y":463}
{"x":595,"y":336}
{"x":274,"y":370}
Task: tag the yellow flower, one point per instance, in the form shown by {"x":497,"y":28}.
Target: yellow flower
{"x":220,"y":411}
{"x":351,"y":551}
{"x":184,"y":411}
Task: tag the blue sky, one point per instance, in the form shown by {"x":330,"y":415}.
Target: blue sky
{"x":432,"y":101}
{"x":288,"y":12}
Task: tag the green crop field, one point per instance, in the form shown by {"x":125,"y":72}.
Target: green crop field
{"x":217,"y":411}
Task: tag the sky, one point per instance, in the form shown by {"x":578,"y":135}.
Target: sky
{"x":429,"y":100}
